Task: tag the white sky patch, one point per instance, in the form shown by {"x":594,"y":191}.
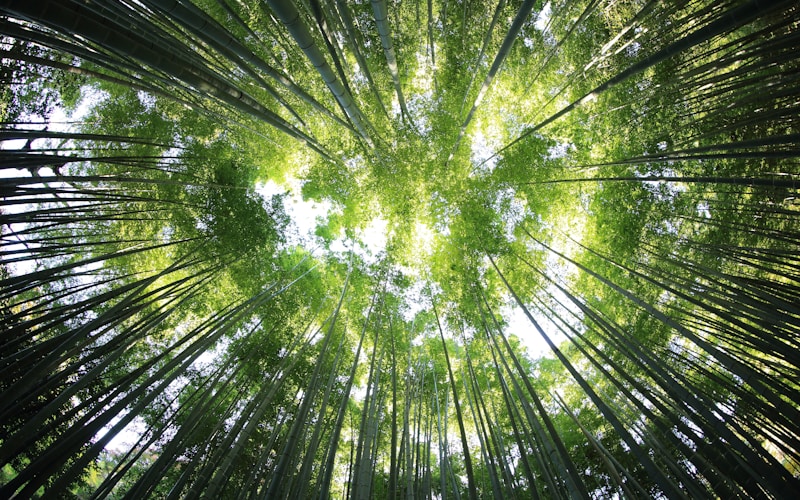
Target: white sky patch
{"x":305,"y":215}
{"x":396,"y":106}
{"x":60,"y":122}
{"x":485,"y":140}
{"x":519,"y":325}
{"x":370,"y":241}
{"x":564,"y":273}
{"x":559,"y":150}
{"x":528,"y":42}
{"x":481,"y":152}
{"x":415,"y":301}
{"x":373,"y":237}
{"x":417,"y":104}
{"x":590,"y":97}
{"x":633,"y":49}
{"x":664,"y":191}
{"x":339,"y":246}
{"x":208,"y":359}
{"x":544,"y":17}
{"x":359,"y":78}
{"x":423,"y":238}
{"x":10,"y":241}
{"x":126,"y":438}
{"x":419,"y":94}
{"x":703,"y":209}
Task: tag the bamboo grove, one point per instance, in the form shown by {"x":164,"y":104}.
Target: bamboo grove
{"x":589,"y":287}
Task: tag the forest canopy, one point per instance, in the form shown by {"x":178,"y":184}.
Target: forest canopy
{"x":399,"y":249}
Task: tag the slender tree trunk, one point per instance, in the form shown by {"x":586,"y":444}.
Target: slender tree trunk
{"x":473,"y":492}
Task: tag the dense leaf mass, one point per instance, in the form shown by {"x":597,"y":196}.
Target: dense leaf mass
{"x":399,"y":249}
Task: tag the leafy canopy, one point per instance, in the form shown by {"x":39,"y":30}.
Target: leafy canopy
{"x":553,"y":251}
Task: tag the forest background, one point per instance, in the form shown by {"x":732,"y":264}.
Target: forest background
{"x":384,"y":249}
